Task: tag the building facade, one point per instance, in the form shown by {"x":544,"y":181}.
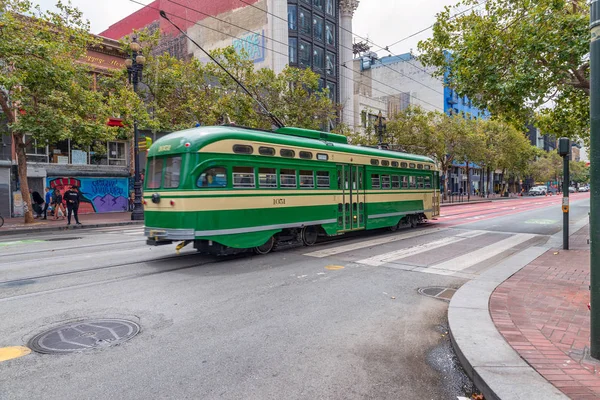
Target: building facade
{"x":102,"y":171}
{"x":272,"y":33}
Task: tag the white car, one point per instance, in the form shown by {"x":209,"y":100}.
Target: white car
{"x":584,"y":188}
{"x":537,"y":191}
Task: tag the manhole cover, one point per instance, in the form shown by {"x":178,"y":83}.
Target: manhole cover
{"x":440,"y":293}
{"x":84,"y":335}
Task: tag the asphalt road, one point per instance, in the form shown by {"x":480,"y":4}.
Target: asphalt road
{"x":340,"y":320}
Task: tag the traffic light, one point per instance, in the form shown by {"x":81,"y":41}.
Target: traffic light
{"x":145,"y":143}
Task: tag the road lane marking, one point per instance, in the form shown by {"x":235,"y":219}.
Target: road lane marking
{"x":334,"y":267}
{"x":8,"y":353}
{"x":475,"y":257}
{"x":384,"y":258}
{"x":369,"y":243}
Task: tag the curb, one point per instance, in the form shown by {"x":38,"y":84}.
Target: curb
{"x":9,"y":231}
{"x":479,"y":201}
{"x":496,"y":369}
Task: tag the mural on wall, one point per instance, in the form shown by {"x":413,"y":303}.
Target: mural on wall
{"x":99,"y":195}
{"x":253,"y":44}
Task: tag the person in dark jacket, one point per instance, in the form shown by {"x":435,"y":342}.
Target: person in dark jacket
{"x":57,"y":204}
{"x":71,"y":196}
{"x":37,"y":203}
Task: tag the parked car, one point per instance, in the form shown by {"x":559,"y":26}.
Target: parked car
{"x":584,"y":188}
{"x":537,"y":191}
{"x":572,"y":189}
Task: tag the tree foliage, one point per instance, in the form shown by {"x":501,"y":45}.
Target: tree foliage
{"x":44,"y":91}
{"x":518,"y":59}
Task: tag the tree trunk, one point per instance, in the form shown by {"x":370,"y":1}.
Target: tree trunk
{"x":468,"y":182}
{"x":490,"y":178}
{"x":24,"y":185}
{"x":445,"y":194}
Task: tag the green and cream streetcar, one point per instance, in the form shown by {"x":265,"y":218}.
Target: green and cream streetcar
{"x":226,"y":188}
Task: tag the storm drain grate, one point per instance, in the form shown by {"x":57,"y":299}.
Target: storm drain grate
{"x":84,"y":335}
{"x":440,"y":293}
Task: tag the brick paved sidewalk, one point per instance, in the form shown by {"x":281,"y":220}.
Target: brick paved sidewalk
{"x":16,"y":225}
{"x":542,"y":313}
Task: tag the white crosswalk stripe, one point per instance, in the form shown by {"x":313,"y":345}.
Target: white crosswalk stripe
{"x":134,"y":232}
{"x":370,"y":243}
{"x":384,"y":258}
{"x":467,"y":260}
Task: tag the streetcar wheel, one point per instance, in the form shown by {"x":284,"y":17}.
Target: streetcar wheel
{"x":414,"y":221}
{"x":393,"y":228}
{"x":265,"y":248}
{"x":309,"y":235}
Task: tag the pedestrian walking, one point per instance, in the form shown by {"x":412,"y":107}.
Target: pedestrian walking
{"x":48,"y":199}
{"x":72,"y":198}
{"x":37,"y":202}
{"x":57,"y":204}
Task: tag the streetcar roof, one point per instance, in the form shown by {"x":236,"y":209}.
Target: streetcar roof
{"x":194,"y":139}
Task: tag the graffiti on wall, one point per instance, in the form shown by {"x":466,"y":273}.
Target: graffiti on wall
{"x":253,"y":44}
{"x":99,"y":195}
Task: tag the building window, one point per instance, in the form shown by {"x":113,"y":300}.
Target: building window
{"x":329,"y":34}
{"x":116,"y":153}
{"x":330,"y":63}
{"x":304,"y":21}
{"x":329,"y":7}
{"x":318,"y":28}
{"x":293,"y":50}
{"x":331,"y":87}
{"x":292,"y":17}
{"x":318,"y":4}
{"x":318,"y":61}
{"x":243,"y":177}
{"x":305,"y":52}
{"x":267,"y":178}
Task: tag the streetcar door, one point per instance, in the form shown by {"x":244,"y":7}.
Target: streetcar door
{"x":351,"y":208}
{"x":358,"y":199}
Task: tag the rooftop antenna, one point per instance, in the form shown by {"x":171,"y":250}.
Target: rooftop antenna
{"x":275,"y":120}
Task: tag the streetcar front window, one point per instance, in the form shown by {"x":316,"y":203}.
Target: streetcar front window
{"x":155,"y":173}
{"x":172,"y":172}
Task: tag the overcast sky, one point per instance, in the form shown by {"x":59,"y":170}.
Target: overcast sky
{"x":383,"y":21}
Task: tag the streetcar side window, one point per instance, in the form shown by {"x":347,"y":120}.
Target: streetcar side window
{"x":322,"y":180}
{"x":395,"y":163}
{"x":243,"y":177}
{"x":267,"y":178}
{"x":412,"y":165}
{"x":266,"y":151}
{"x":307,"y":155}
{"x":155,"y":173}
{"x":385,"y":163}
{"x":287,"y":178}
{"x":427,"y":182}
{"x":385,"y":181}
{"x":404,"y":180}
{"x":419,"y":166}
{"x":375,"y":183}
{"x":172,"y":172}
{"x":404,"y":165}
{"x":420,"y":182}
{"x":287,"y":153}
{"x":307,"y":179}
{"x":413,"y":181}
{"x":212,"y":177}
{"x":395,"y":182}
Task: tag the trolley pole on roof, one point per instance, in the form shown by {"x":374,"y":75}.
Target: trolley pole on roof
{"x":595,"y":178}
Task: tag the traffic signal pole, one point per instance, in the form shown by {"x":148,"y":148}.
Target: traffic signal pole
{"x":595,"y":178}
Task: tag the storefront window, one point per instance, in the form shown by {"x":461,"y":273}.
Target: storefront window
{"x":35,"y":151}
{"x":318,"y":28}
{"x":304,"y":20}
{"x":292,"y":17}
{"x":329,"y":34}
{"x":330,"y":64}
{"x":318,"y":61}
{"x":293,"y":50}
{"x":305,"y":52}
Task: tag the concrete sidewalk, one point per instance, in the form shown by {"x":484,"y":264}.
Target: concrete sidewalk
{"x":522,"y":329}
{"x":16,"y":225}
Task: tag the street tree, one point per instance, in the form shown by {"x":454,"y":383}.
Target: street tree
{"x":470,"y":146}
{"x":44,"y":92}
{"x":579,"y":172}
{"x":518,"y":59}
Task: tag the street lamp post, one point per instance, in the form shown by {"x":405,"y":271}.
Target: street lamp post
{"x":134,"y":65}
